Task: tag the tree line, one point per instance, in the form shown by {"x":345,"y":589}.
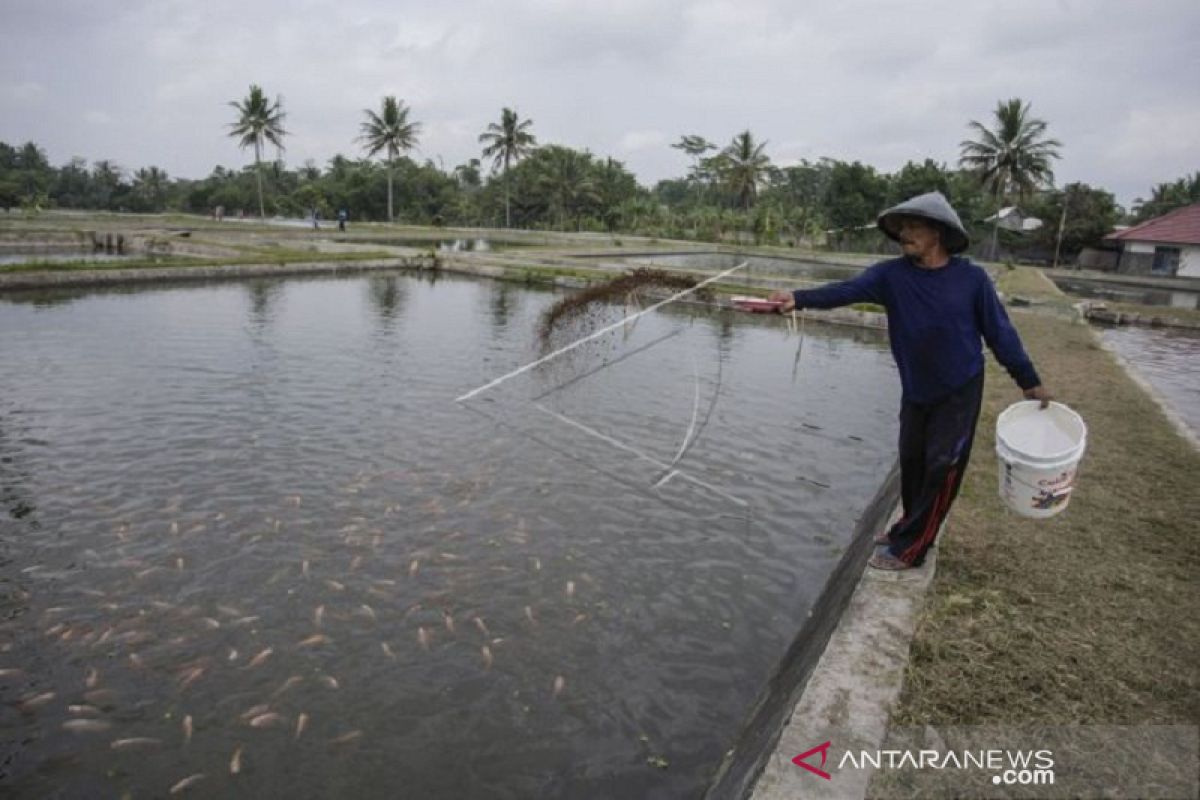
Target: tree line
{"x":732,"y":192}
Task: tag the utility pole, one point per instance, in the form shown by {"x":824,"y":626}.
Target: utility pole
{"x":1062,"y":222}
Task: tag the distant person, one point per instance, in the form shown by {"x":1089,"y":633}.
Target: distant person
{"x":316,"y":220}
{"x":343,"y":215}
{"x":939,"y":306}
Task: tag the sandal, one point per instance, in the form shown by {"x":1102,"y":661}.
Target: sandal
{"x":886,"y":561}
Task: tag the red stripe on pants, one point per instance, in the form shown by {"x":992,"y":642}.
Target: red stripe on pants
{"x":940,"y":506}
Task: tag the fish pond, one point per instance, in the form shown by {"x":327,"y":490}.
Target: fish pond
{"x":1169,"y":360}
{"x":251,"y":545}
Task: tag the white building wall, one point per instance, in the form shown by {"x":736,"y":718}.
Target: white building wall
{"x":1189,"y":262}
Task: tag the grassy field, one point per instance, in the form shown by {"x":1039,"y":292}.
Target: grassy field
{"x":1091,"y":616}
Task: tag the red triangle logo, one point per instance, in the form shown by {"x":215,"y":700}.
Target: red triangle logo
{"x":823,"y":749}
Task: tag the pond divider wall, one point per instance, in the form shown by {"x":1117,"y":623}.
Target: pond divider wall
{"x":736,"y":776}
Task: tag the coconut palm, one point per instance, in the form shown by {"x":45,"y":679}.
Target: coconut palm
{"x":390,"y":131}
{"x":743,"y":166}
{"x":150,"y":185}
{"x":259,"y":121}
{"x":565,"y":178}
{"x":507,"y":143}
{"x":1013,"y":159}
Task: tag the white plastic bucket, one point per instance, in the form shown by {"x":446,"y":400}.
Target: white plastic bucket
{"x":1039,"y":451}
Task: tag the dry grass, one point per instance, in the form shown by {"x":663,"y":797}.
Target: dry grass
{"x":1092,"y":616}
{"x":1028,"y":282}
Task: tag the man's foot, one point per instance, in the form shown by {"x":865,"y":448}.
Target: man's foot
{"x":886,"y":561}
{"x":882,"y":538}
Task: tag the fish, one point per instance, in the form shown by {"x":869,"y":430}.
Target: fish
{"x":423,"y":637}
{"x":537,"y":565}
{"x":304,"y":567}
{"x":179,"y":564}
{"x":529,"y":615}
{"x":174,"y":528}
{"x":11,"y":672}
{"x":318,"y":615}
{"x":57,"y":629}
{"x":86,"y":725}
{"x":355,"y":563}
{"x":233,"y":654}
{"x":136,"y":741}
{"x":288,"y":684}
{"x":187,"y":729}
{"x":314,"y":640}
{"x":267,"y":720}
{"x":245,"y":620}
{"x":136,"y":661}
{"x":35,"y":702}
{"x":210,"y":623}
{"x":187,"y":783}
{"x":367,"y":611}
{"x":260,"y":658}
{"x":486,"y":652}
{"x":100,"y":697}
{"x":387,"y":650}
{"x":229,"y":611}
{"x":83,"y":710}
{"x":578,"y":619}
{"x":254,"y":711}
{"x":560,"y":683}
{"x":413,"y":566}
{"x":346,"y":737}
{"x":301,"y":724}
{"x":190,"y":677}
{"x":448,"y":620}
{"x":235,"y":763}
{"x":330,"y":681}
{"x":337,"y":586}
{"x":570,"y":588}
{"x":482,"y":627}
{"x":295,"y":501}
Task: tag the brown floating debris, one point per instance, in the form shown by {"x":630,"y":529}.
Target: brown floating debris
{"x":619,"y":289}
{"x":187,"y":783}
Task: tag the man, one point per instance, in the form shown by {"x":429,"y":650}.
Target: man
{"x":939,"y":306}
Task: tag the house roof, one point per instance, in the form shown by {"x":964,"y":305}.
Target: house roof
{"x":1181,"y":226}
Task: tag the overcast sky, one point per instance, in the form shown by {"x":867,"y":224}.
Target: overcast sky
{"x":148,"y":82}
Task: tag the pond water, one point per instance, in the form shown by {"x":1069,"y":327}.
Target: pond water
{"x":803,"y":271}
{"x":1169,"y":360}
{"x":444,"y":245}
{"x":1130,"y":294}
{"x":246,"y":524}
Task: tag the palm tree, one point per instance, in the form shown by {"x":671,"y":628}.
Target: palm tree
{"x":259,"y":121}
{"x":743,"y":165}
{"x":566,"y":180}
{"x":508,"y":142}
{"x":1011,"y":159}
{"x":150,"y":184}
{"x":390,"y":131}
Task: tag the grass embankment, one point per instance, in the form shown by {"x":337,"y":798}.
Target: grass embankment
{"x":1092,"y":616}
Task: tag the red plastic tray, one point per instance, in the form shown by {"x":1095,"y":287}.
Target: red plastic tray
{"x":757,"y":304}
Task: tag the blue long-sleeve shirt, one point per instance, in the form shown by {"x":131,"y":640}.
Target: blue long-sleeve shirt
{"x":936,"y":320}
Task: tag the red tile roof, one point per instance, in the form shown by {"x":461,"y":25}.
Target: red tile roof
{"x":1181,"y":226}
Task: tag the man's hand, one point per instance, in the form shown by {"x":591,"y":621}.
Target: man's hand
{"x":785,"y":297}
{"x":1039,"y":393}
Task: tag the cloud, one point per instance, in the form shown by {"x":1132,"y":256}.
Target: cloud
{"x":868,"y":80}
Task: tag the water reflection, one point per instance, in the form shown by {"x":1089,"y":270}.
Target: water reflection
{"x":386,"y":295}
